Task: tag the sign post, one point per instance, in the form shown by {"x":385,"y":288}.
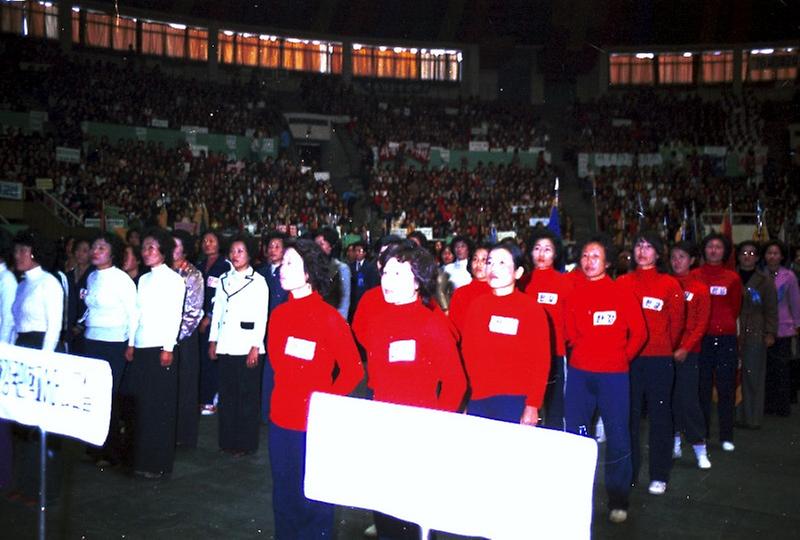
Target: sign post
{"x":59,"y":393}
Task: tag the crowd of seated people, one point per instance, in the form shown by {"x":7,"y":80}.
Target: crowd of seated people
{"x":377,"y":120}
{"x":73,"y":88}
{"x":146,"y":179}
{"x":644,"y":120}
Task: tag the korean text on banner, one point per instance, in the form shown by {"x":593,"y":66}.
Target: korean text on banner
{"x":450,"y":472}
{"x":60,"y":393}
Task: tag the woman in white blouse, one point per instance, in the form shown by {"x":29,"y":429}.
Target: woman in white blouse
{"x":151,"y":380}
{"x":236,"y":340}
{"x":39,"y":303}
{"x":110,"y":320}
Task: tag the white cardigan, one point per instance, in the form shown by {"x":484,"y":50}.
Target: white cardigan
{"x":239,"y":321}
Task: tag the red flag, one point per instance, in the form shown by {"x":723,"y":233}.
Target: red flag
{"x":727,"y":232}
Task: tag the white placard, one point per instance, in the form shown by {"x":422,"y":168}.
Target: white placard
{"x":478,"y":146}
{"x":60,"y":393}
{"x":450,"y":472}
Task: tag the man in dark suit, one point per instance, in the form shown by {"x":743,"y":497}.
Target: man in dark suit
{"x":364,"y":275}
{"x":272,"y":247}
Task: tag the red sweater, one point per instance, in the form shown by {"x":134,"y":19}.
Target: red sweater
{"x":411,"y":352}
{"x":604,"y":326}
{"x":462,"y":300}
{"x":549,"y":288}
{"x":506,"y":347}
{"x":305,"y":340}
{"x":661,"y":299}
{"x":725,"y":289}
{"x":373,"y":299}
{"x":698,"y":308}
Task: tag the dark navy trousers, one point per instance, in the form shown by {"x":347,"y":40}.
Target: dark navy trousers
{"x":503,"y":408}
{"x":296,"y":517}
{"x":651,"y":386}
{"x":718,"y":359}
{"x":609,"y":394}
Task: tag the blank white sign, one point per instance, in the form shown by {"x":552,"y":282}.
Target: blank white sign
{"x":450,"y":472}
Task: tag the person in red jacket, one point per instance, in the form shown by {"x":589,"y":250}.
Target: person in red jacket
{"x":412,"y":357}
{"x":652,"y":372}
{"x":307,"y":341}
{"x":719,"y":350}
{"x":605,"y":330}
{"x":506,"y":345}
{"x":463,"y":296}
{"x":686,"y":412}
{"x":549,"y":288}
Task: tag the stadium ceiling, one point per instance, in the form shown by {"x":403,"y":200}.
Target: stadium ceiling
{"x":576,"y":23}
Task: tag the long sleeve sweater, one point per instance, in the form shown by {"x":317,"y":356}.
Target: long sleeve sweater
{"x":111,"y":313}
{"x":604,"y":326}
{"x":698,"y":309}
{"x":788,"y":302}
{"x":411,"y":355}
{"x":506,"y":347}
{"x":661,"y":299}
{"x":159,"y":301}
{"x":549,"y":288}
{"x":306,"y":340}
{"x":725,"y":288}
{"x":462,"y":300}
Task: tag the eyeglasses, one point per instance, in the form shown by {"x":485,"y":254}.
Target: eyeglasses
{"x":749,"y":253}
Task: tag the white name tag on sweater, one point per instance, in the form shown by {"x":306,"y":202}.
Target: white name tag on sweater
{"x":717,"y":290}
{"x":300,"y":348}
{"x":604,"y":318}
{"x":503,"y":325}
{"x":688,"y":296}
{"x":404,"y":350}
{"x":653,"y":304}
{"x":547,"y":298}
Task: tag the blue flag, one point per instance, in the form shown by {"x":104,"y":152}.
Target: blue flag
{"x":554,"y":224}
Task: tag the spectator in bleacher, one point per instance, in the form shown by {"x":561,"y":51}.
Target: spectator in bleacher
{"x":458,"y":270}
{"x":364,"y":275}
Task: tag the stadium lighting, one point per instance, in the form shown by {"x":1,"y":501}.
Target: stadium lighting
{"x":762,"y":51}
{"x":687,"y":55}
{"x":227,"y":33}
{"x":315,"y":42}
{"x":76,"y":9}
{"x":399,"y":50}
{"x":413,"y":51}
{"x":177,"y":26}
{"x":642,"y":56}
{"x":356,"y":46}
{"x":382,"y":48}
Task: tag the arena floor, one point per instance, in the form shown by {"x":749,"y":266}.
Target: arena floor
{"x":750,"y":493}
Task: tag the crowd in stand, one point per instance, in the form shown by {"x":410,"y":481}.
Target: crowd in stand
{"x":377,"y":120}
{"x":37,"y":76}
{"x":645,"y":120}
{"x":147,"y":179}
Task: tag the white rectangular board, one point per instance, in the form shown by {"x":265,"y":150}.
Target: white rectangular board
{"x":61,"y":393}
{"x":450,"y":472}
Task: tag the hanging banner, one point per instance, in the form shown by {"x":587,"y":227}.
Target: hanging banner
{"x":60,"y":393}
{"x":68,"y":155}
{"x":11,"y":190}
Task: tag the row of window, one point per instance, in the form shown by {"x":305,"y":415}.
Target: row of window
{"x":98,"y":29}
{"x":707,"y":67}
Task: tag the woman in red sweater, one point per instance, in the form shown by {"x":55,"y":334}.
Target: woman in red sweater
{"x":605,"y":330}
{"x":719,"y":349}
{"x":307,"y":340}
{"x":549,"y":288}
{"x":652,"y":372}
{"x":506,"y":345}
{"x":463,"y":296}
{"x":686,"y":412}
{"x":412,"y":354}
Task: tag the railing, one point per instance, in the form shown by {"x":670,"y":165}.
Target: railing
{"x":58,"y":209}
